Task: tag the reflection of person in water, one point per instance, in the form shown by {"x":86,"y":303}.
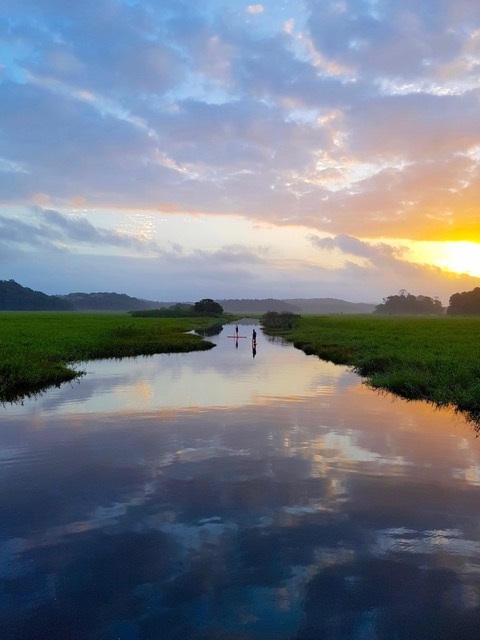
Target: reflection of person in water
{"x":236,"y":343}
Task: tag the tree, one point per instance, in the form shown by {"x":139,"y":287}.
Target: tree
{"x":407,"y":304}
{"x":208,"y":307}
{"x":466,"y":303}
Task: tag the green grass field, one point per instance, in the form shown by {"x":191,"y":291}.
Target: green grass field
{"x":38,"y":349}
{"x":429,"y":358}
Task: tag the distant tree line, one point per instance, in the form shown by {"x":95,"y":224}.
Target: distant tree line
{"x":204,"y":307}
{"x":178,"y":310}
{"x":466,"y":303}
{"x":405,"y":303}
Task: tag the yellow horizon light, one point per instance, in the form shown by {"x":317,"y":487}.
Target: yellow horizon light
{"x":455,"y":257}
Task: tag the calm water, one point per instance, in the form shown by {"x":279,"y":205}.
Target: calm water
{"x":218,"y":495}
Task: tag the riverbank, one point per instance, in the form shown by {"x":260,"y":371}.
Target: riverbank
{"x":41,"y":349}
{"x":418,"y":358}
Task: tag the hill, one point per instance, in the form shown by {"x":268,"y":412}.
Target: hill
{"x":257,"y":306}
{"x":104,"y":301}
{"x":318,"y":306}
{"x":331,"y":305}
{"x":14,"y":297}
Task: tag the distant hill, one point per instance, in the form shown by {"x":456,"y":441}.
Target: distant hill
{"x":257,"y":306}
{"x":296,"y":305}
{"x":14,"y":297}
{"x":331,"y":305}
{"x":122,"y":302}
{"x":109,"y":302}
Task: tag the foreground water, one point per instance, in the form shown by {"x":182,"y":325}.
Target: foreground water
{"x":217,"y":495}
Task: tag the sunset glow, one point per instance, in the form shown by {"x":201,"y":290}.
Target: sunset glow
{"x":462,"y":257}
{"x":456,"y":257}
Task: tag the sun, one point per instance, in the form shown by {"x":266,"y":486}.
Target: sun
{"x":463,"y":257}
{"x":460,"y":257}
{"x":455,"y":257}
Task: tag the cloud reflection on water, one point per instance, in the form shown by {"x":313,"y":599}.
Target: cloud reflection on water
{"x":338,"y":514}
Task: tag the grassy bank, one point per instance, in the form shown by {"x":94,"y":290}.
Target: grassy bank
{"x":38,"y":349}
{"x":428,"y":358}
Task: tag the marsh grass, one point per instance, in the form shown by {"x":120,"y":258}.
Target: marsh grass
{"x":427,"y":358}
{"x":40,"y":349}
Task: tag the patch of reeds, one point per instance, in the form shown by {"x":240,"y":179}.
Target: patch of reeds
{"x":277,"y":322}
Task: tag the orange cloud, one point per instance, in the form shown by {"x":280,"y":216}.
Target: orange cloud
{"x":168,"y":207}
{"x":255,"y":8}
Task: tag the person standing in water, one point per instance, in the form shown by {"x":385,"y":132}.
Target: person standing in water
{"x":236,"y":330}
{"x":254,"y":337}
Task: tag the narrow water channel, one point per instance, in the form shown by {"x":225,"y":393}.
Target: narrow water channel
{"x":238,"y":495}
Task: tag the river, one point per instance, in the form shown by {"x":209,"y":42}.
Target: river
{"x":237,"y":495}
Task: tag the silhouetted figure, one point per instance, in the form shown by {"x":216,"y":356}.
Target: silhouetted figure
{"x":254,"y":336}
{"x":236,"y":330}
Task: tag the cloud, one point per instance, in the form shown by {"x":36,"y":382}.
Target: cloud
{"x":72,"y":250}
{"x":359,"y":120}
{"x":232,"y":255}
{"x":255,"y":8}
{"x":395,"y":38}
{"x":51,"y":229}
{"x":353,"y":246}
{"x":80,"y":230}
{"x":388,"y":269}
{"x":48,"y":254}
{"x":193,"y":275}
{"x":15,"y":231}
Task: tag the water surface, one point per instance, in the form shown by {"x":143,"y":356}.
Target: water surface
{"x":220,"y":495}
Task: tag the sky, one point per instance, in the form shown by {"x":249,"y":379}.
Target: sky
{"x":175,"y":149}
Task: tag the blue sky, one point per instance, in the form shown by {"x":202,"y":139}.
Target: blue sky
{"x":177,"y":150}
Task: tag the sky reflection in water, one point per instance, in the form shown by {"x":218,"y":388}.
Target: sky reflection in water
{"x":217,"y":495}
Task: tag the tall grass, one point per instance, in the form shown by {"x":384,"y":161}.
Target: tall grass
{"x":39,"y":349}
{"x":429,"y":358}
